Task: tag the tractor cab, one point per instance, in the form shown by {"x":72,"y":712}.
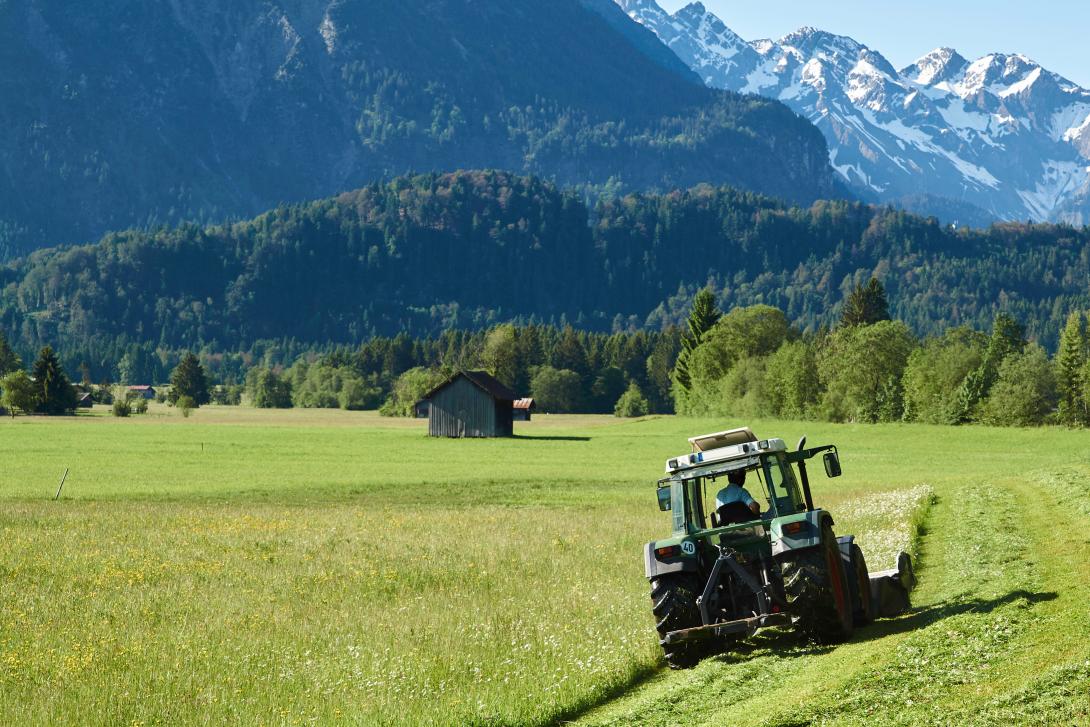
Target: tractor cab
{"x":693,"y":481}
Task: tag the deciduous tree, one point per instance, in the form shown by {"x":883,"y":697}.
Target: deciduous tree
{"x":937,"y":369}
{"x":861,"y":368}
{"x":632,"y":403}
{"x":1024,"y":393}
{"x":18,"y":393}
{"x":557,"y":391}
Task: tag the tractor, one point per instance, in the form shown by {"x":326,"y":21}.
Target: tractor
{"x":724,"y":573}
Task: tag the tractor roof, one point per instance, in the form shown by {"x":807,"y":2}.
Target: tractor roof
{"x":706,"y":442}
{"x":710,"y":462}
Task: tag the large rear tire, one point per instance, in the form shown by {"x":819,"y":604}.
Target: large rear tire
{"x":673,"y":601}
{"x":818,"y":595}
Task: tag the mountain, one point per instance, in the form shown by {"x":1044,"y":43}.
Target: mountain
{"x":125,"y":114}
{"x":999,"y":137}
{"x":423,"y":254}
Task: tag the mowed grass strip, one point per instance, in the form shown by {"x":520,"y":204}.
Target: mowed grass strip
{"x":343,"y":571}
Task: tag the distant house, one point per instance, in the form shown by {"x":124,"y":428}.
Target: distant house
{"x":84,"y":401}
{"x":522,"y":409}
{"x":420,"y":409}
{"x":470,"y":404}
{"x":144,"y":392}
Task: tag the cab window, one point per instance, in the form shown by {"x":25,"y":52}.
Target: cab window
{"x":677,"y":506}
{"x":781,"y":483}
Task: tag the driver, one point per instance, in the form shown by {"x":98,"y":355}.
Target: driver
{"x":734,"y":497}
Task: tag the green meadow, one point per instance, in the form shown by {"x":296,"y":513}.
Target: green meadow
{"x":327,"y":567}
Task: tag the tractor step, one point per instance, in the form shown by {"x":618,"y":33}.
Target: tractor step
{"x":741,"y":626}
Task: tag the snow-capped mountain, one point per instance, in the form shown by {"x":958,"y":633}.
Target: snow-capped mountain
{"x":1001,"y":133}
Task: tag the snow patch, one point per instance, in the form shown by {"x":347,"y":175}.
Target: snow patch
{"x":1057,"y":180}
{"x":763,"y":77}
{"x":1070,"y":122}
{"x":1025,"y":83}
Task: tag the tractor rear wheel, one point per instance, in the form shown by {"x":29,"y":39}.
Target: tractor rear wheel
{"x":818,"y":594}
{"x":864,"y":606}
{"x":673,"y":599}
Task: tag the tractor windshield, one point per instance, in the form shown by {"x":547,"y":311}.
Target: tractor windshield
{"x":706,"y":492}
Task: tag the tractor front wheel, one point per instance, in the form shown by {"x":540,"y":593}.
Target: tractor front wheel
{"x":818,"y":593}
{"x":673,"y":601}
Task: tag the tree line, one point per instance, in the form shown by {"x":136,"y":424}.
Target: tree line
{"x":751,"y":362}
{"x":47,"y":388}
{"x":565,"y":370}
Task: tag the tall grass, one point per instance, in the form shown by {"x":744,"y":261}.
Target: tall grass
{"x":281,"y":571}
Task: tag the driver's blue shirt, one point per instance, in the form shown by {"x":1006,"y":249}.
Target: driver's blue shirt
{"x":733,"y":493}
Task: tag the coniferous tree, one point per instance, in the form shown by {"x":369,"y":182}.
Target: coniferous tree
{"x":865,"y":305}
{"x":1007,"y":337}
{"x":9,"y":360}
{"x":704,"y":314}
{"x":660,"y":366}
{"x":570,"y":354}
{"x":189,"y":380}
{"x":55,"y":391}
{"x":1070,"y":360}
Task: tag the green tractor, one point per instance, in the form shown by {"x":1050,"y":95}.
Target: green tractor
{"x":726,"y":572}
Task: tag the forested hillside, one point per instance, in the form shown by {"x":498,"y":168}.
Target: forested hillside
{"x":419,"y":255}
{"x":126,"y":115}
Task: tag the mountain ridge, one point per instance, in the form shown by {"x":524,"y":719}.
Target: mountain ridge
{"x":999,"y":133}
{"x":127,"y":114}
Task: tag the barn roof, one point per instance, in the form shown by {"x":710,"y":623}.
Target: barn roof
{"x":524,"y":404}
{"x":482,"y":380}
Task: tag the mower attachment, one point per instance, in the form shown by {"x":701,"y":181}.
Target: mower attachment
{"x":890,"y":588}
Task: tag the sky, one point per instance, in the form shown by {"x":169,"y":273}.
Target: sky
{"x":1055,"y":33}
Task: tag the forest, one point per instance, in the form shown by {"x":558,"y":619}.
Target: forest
{"x":470,"y":250}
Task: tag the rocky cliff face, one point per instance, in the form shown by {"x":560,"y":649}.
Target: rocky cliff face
{"x":999,"y":135}
{"x":125,"y":113}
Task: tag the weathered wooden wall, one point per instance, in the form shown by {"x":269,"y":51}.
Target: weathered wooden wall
{"x":464,"y":410}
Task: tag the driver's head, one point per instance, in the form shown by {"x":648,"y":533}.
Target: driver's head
{"x":737,"y":477}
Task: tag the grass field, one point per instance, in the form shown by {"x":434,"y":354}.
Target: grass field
{"x":300,"y":567}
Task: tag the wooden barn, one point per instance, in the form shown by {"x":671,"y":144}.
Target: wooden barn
{"x":470,"y":404}
{"x":523,"y":408}
{"x":144,"y":392}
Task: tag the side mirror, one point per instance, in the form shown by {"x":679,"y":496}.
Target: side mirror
{"x":664,"y":498}
{"x":832,"y":464}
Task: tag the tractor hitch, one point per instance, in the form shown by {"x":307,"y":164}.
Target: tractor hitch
{"x":748,"y":626}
